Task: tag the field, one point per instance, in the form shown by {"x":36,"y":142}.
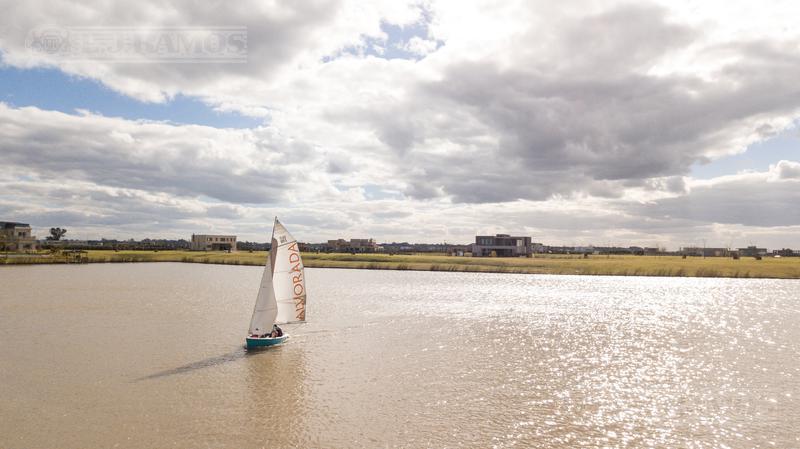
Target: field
{"x":787,"y":268}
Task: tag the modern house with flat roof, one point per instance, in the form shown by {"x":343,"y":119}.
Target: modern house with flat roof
{"x":16,"y":237}
{"x":352,"y":246}
{"x":752,"y":251}
{"x":501,"y":245}
{"x":208,"y":242}
{"x":707,"y":252}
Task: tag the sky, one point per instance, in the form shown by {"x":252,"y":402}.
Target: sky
{"x":652,"y":123}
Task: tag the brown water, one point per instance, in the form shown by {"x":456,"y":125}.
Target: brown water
{"x":150,"y":356}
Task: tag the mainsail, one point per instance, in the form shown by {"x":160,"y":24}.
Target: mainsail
{"x":282,"y":295}
{"x":266,"y":308}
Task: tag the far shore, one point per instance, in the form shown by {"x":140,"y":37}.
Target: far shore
{"x":776,"y":268}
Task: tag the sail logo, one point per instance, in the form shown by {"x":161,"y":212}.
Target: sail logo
{"x":298,"y":286}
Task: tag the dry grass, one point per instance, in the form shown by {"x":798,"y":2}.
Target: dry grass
{"x":594,"y":265}
{"x":788,"y":268}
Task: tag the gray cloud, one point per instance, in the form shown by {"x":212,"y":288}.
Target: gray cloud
{"x":632,"y":36}
{"x":631,"y":128}
{"x":788,"y":170}
{"x":750,"y":200}
{"x":250,"y":166}
{"x":584,"y":118}
{"x":92,"y":211}
{"x":276,"y":36}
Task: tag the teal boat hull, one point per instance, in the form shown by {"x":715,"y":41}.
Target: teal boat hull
{"x":253,"y":343}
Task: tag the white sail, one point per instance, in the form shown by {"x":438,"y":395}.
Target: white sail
{"x":282,"y":294}
{"x":288,"y":277}
{"x":266,"y":309}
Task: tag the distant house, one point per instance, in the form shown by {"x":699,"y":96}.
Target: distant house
{"x":364,"y":245}
{"x":16,"y":237}
{"x":786,"y":252}
{"x":752,"y":251}
{"x":456,"y":250}
{"x":353,"y":246}
{"x":207,"y":242}
{"x":706,"y":252}
{"x":397,"y":248}
{"x":501,"y":245}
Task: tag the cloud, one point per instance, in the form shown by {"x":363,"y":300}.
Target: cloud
{"x":241,"y":166}
{"x":590,"y":113}
{"x":766,"y":199}
{"x":786,"y":170}
{"x":281,"y":36}
{"x":419,"y":46}
{"x":587,"y":104}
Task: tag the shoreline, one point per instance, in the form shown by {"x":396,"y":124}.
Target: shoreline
{"x":661,"y":266}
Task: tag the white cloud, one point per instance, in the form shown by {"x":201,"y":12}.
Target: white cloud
{"x":786,"y":170}
{"x":246,"y":166}
{"x":419,"y":46}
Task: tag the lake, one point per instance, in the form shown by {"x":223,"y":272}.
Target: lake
{"x":151,"y":355}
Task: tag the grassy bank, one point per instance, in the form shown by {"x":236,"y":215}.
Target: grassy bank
{"x":787,"y":268}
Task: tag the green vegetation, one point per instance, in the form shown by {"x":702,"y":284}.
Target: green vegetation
{"x":56,"y":233}
{"x":788,"y":268}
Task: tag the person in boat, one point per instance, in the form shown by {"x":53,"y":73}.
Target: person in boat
{"x":276,"y":331}
{"x":264,"y":335}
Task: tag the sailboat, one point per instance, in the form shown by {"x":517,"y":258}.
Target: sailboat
{"x":282,"y":296}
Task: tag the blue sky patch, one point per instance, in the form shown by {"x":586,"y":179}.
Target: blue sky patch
{"x":758,"y":156}
{"x":51,"y":89}
{"x":394,"y":46}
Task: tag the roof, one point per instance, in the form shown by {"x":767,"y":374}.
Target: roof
{"x":12,"y":224}
{"x":213,"y":235}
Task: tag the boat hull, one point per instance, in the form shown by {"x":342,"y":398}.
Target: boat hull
{"x":253,"y":343}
